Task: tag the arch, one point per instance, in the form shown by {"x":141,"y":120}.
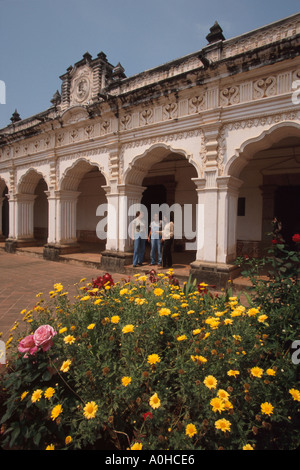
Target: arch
{"x":72,"y":175}
{"x":29,"y":181}
{"x":3,"y":185}
{"x":265,"y":140}
{"x":140,"y":164}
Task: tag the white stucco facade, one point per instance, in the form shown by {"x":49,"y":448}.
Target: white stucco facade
{"x":208,"y":130}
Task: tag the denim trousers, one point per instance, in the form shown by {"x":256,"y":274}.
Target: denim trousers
{"x":139,"y":250}
{"x":155,"y":248}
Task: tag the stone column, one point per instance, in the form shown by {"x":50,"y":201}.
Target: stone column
{"x":122,"y":207}
{"x":1,"y":228}
{"x":24,"y":219}
{"x":66,"y":205}
{"x":227,"y":218}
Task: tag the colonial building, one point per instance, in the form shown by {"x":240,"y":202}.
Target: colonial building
{"x":216,"y":133}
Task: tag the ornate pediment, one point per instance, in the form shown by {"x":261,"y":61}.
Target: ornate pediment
{"x":81,"y":86}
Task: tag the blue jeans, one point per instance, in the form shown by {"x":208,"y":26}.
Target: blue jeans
{"x":139,"y":251}
{"x":155,"y":248}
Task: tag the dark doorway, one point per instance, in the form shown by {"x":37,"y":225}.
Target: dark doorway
{"x":287,"y":210}
{"x":154,"y":194}
{"x":5,"y":214}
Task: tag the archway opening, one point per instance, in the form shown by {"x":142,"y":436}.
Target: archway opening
{"x":91,"y":196}
{"x":32,"y":209}
{"x":40,"y":221}
{"x":271,"y":188}
{"x":167,"y":177}
{"x":82,"y":192}
{"x":4,"y":206}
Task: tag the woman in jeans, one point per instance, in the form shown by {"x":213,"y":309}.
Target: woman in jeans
{"x":154,"y":239}
{"x":138,"y":235}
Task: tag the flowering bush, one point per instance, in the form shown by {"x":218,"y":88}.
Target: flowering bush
{"x":146,"y":364}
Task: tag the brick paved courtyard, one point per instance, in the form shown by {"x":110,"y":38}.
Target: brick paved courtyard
{"x":23,"y":276}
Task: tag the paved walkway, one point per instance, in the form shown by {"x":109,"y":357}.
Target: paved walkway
{"x":23,"y":276}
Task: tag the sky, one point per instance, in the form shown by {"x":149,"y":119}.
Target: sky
{"x":40,"y":39}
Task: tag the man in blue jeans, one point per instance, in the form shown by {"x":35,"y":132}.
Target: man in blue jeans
{"x":155,"y":240}
{"x":138,"y":235}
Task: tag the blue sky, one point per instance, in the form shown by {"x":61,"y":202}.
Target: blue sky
{"x":40,"y":39}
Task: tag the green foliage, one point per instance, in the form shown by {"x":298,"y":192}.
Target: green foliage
{"x":135,"y":364}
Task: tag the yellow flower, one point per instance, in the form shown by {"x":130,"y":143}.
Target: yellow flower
{"x":295,"y":394}
{"x":164,"y":312}
{"x":86,"y":297}
{"x":68,"y":440}
{"x":197,"y":331}
{"x":58,"y":287}
{"x":136,"y":446}
{"x":56,"y":412}
{"x":128,"y":329}
{"x":153,"y":358}
{"x":115,"y":319}
{"x":210,"y":381}
{"x":90,"y":410}
{"x":190,"y":430}
{"x":267,"y":408}
{"x":62,"y":330}
{"x":24,"y":394}
{"x":66,"y":365}
{"x":233,"y":373}
{"x":91,"y":326}
{"x":252,"y":311}
{"x":248,"y":447}
{"x":262,"y":318}
{"x":223,"y":425}
{"x":217,"y":405}
{"x":126,"y":381}
{"x":139,"y":301}
{"x":49,"y":393}
{"x":158,"y":291}
{"x":97,"y":302}
{"x":37,"y":395}
{"x":69,"y":339}
{"x":154,"y":401}
{"x":190,"y":311}
{"x":123,"y":291}
{"x":223,"y":394}
{"x":181,"y":338}
{"x":176,"y":296}
{"x":270,"y":372}
{"x":199,"y":359}
{"x":50,"y":447}
{"x":256,"y":372}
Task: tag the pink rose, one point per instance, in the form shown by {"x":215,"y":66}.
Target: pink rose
{"x":43,"y":337}
{"x":27,"y":345}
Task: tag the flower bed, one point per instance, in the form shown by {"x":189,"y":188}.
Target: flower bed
{"x":146,"y":364}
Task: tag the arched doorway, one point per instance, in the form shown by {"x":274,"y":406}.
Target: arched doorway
{"x":32,"y":209}
{"x":4,"y":211}
{"x":165,"y":177}
{"x":82,"y":192}
{"x":271,"y":188}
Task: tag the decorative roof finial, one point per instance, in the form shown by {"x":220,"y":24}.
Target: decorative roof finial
{"x":216,"y":34}
{"x":15,"y":117}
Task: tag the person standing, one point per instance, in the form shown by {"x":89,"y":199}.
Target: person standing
{"x":138,"y":235}
{"x":167,"y":241}
{"x":154,"y":238}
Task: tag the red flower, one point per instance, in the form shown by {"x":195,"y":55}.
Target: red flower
{"x":146,"y":415}
{"x":296,"y":238}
